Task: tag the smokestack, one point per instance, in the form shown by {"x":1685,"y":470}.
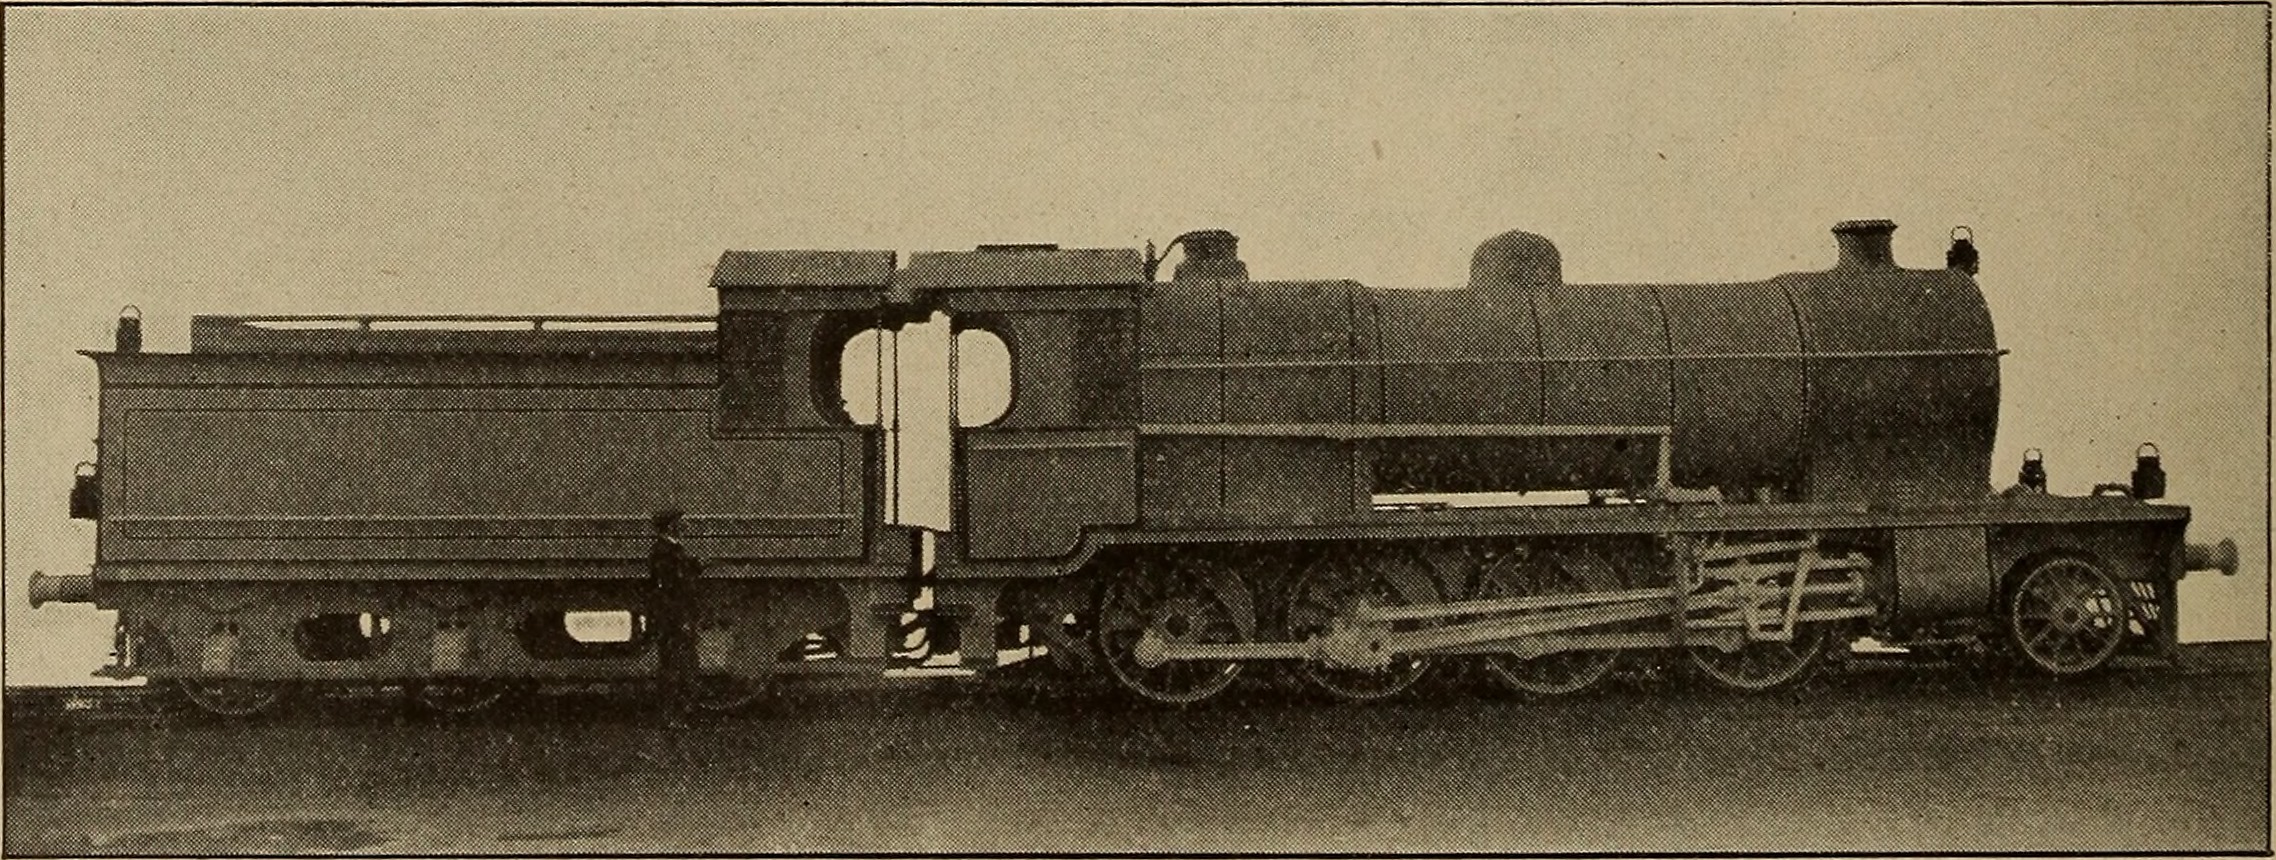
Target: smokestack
{"x":1865,"y":244}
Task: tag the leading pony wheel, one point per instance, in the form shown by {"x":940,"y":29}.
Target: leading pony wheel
{"x":2067,"y":616}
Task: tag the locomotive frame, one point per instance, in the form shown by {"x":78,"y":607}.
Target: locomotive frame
{"x":1193,"y":476}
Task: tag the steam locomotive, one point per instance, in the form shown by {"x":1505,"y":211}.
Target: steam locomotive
{"x":1194,"y":476}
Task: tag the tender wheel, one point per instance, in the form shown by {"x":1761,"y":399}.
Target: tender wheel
{"x":1521,"y":575}
{"x":1332,"y":586}
{"x":2067,"y":616}
{"x":725,"y":694}
{"x":457,"y":697}
{"x":1759,"y":666}
{"x":231,"y":698}
{"x":1175,"y":604}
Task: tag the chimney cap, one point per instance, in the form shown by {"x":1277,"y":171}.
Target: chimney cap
{"x":1866,"y":225}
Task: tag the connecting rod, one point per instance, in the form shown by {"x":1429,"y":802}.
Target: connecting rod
{"x":1529,"y":626}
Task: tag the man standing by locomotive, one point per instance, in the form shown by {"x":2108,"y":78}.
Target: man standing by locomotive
{"x":672,"y":574}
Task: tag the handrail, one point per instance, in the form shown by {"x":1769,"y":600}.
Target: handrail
{"x":1663,"y":468}
{"x":365,"y":322}
{"x":1363,"y":431}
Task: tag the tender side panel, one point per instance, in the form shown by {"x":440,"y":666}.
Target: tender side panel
{"x":427,"y":629}
{"x":446,"y":473}
{"x":432,"y":336}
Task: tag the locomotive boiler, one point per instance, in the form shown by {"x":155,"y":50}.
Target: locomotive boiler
{"x":1193,"y":476}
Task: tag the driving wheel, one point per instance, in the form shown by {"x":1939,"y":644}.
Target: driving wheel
{"x":1330,"y":588}
{"x":1520,"y":574}
{"x":1171,"y":602}
{"x":231,"y":697}
{"x":1758,"y":666}
{"x":458,"y":697}
{"x":724,"y":694}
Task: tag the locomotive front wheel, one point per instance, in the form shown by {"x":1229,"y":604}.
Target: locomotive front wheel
{"x":457,"y":697}
{"x":726,"y":694}
{"x":1759,"y":666}
{"x":2067,"y":616}
{"x":1171,"y":605}
{"x":1517,"y":575}
{"x":1333,"y":586}
{"x":231,"y":698}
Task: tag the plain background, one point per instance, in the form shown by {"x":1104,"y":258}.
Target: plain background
{"x":2111,"y":161}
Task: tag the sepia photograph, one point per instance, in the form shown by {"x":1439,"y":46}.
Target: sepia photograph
{"x":1259,"y":430}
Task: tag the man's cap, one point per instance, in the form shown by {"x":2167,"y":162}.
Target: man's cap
{"x":666,"y":517}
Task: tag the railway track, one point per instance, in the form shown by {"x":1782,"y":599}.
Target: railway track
{"x":93,"y":704}
{"x":1921,"y":756}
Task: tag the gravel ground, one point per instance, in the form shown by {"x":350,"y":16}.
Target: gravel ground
{"x":1874,"y":756}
